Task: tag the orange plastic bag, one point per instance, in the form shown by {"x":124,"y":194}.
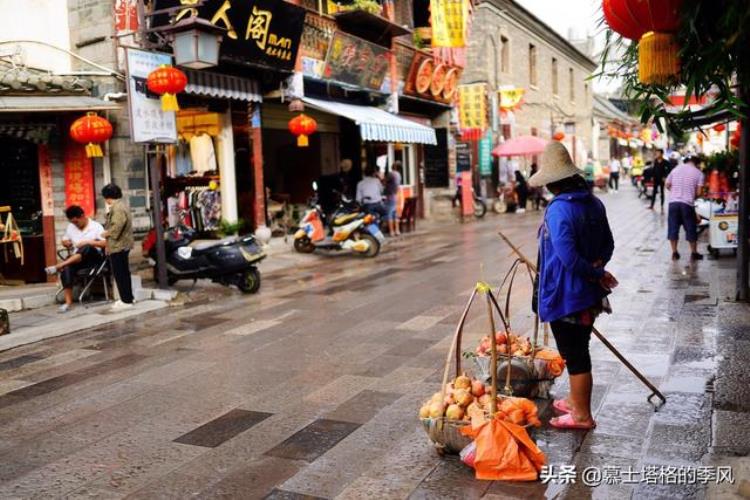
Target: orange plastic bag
{"x":504,"y":451}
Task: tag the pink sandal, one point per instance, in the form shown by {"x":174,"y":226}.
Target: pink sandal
{"x":561,"y":406}
{"x":568,"y":422}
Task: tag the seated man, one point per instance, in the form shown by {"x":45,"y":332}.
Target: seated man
{"x":85,"y":237}
{"x":370,"y":193}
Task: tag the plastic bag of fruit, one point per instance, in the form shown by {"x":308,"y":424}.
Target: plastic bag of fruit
{"x":504,"y":451}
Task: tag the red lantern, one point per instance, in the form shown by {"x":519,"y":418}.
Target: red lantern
{"x":91,"y":130}
{"x":558,"y":136}
{"x":167,"y":82}
{"x":302,"y":126}
{"x":653,"y":23}
{"x":720,"y":127}
{"x":735,"y":141}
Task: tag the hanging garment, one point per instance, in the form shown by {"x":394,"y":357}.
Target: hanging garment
{"x":202,"y":154}
{"x":183,"y":162}
{"x":173,"y":211}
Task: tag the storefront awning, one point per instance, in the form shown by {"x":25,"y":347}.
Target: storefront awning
{"x":52,"y":104}
{"x":210,"y":84}
{"x":376,"y":124}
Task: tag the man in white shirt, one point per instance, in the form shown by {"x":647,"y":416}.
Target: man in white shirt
{"x":614,"y":174}
{"x":84,"y":237}
{"x":370,"y":193}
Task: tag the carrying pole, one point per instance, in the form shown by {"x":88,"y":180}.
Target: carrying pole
{"x":654,"y":391}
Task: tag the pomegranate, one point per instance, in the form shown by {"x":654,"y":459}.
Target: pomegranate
{"x":501,"y":338}
{"x":454,"y":412}
{"x":424,"y":412}
{"x":477,"y":388}
{"x":464,"y":397}
{"x":462,"y":382}
{"x":484,"y":399}
{"x":449,"y":399}
{"x":502,"y":349}
{"x":436,"y":398}
{"x":437,"y":410}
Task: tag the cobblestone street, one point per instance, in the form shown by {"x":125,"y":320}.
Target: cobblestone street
{"x":312,"y":386}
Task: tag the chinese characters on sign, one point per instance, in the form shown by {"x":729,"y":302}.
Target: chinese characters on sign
{"x":79,"y":178}
{"x":485,"y":154}
{"x":316,"y":37}
{"x":510,"y":98}
{"x":356,"y":61}
{"x":148,"y":123}
{"x":258,"y":31}
{"x":448,"y":19}
{"x":472,"y":106}
{"x":45,"y":181}
{"x":648,"y":474}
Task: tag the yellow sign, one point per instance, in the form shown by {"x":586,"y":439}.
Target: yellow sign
{"x":510,"y":98}
{"x":449,"y":22}
{"x":472,"y":105}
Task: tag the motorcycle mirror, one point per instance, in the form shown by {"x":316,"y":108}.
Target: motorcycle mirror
{"x":315,"y":186}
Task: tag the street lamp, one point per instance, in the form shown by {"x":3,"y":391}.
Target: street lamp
{"x":196,"y":43}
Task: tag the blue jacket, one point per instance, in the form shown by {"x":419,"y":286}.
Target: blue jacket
{"x":575,"y":234}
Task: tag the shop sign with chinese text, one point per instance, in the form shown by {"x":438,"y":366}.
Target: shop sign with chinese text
{"x":148,"y":123}
{"x":472,"y":106}
{"x":449,"y":22}
{"x":79,"y":178}
{"x":357,"y":62}
{"x":485,"y":154}
{"x":316,"y":38}
{"x":265,"y":32}
{"x":431,"y":79}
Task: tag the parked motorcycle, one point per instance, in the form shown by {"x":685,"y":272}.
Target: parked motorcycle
{"x":231,"y":261}
{"x":480,"y":207}
{"x":350,"y":229}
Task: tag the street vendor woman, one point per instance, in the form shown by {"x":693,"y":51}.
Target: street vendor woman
{"x":575,"y":245}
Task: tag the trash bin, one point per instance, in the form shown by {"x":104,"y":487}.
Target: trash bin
{"x":4,"y":322}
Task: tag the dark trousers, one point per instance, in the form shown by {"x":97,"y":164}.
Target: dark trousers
{"x":573,"y":343}
{"x":658,"y":186}
{"x":376,"y":209}
{"x":121,"y":272}
{"x":90,"y":257}
{"x":614,"y":180}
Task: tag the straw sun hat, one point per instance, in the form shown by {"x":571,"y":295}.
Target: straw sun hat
{"x":556,"y":166}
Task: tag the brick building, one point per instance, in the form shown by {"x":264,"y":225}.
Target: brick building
{"x":510,"y":47}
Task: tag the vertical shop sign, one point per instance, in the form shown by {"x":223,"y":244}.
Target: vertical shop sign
{"x":472,"y":107}
{"x":316,"y":38}
{"x":148,"y":123}
{"x":79,"y":178}
{"x":45,"y":181}
{"x":485,"y":155}
{"x":448,"y":19}
{"x":126,"y":16}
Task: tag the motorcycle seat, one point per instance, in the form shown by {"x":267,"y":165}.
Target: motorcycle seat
{"x":203,"y":245}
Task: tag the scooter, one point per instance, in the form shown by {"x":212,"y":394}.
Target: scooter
{"x":231,"y":261}
{"x":350,"y":229}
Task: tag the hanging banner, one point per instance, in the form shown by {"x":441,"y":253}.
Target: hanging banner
{"x":148,"y":123}
{"x":46,"y":188}
{"x":316,"y":38}
{"x":472,"y":106}
{"x":79,"y":178}
{"x":449,"y":22}
{"x":510,"y":98}
{"x":264,"y":32}
{"x":485,"y":155}
{"x":357,"y":62}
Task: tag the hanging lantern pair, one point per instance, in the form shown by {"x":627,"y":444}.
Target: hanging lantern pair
{"x":167,"y":81}
{"x":653,"y":24}
{"x":302,"y":126}
{"x":91,"y":130}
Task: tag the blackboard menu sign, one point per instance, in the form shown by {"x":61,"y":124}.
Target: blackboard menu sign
{"x":436,"y":161}
{"x":265,"y":32}
{"x":463,"y":157}
{"x":356,"y":61}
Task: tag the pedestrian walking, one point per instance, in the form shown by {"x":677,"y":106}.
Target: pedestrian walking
{"x":119,"y":235}
{"x":575,"y":245}
{"x":684,"y":183}
{"x":589,"y":173}
{"x":522,"y":192}
{"x":392,"y":186}
{"x":659,"y":171}
{"x":614,"y":174}
{"x":534,"y":192}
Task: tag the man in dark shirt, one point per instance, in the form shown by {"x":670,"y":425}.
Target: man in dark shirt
{"x":659,"y":173}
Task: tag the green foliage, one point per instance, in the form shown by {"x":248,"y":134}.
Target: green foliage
{"x":714,"y":40}
{"x":371,"y":6}
{"x":227,"y":228}
{"x":723,"y":161}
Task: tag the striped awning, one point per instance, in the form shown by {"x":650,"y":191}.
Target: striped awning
{"x":376,"y":124}
{"x":210,"y":84}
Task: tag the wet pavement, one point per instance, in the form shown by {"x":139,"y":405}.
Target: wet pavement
{"x":310,"y":389}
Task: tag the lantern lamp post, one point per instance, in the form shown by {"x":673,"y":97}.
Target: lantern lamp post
{"x":196,"y":43}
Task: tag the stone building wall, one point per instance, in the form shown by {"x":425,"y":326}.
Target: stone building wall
{"x":500,"y":21}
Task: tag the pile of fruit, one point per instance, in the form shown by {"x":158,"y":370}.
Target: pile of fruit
{"x":506,"y":343}
{"x":465,"y":399}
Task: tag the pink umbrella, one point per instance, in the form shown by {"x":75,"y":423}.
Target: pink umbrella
{"x":526,"y":145}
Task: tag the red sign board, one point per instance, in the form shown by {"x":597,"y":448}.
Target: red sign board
{"x":79,"y":178}
{"x":431,"y":79}
{"x":45,"y":181}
